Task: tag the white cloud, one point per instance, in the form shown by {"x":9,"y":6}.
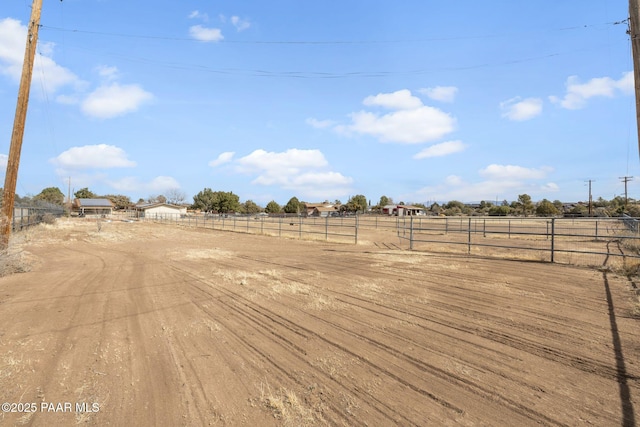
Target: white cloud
{"x":578,"y":93}
{"x":416,"y":126}
{"x":411,"y":123}
{"x":100,"y":156}
{"x":305,"y":172}
{"x":108,"y":73}
{"x":320,"y":124}
{"x":519,"y":109}
{"x":240,"y":24}
{"x":223,"y":158}
{"x":114,"y":100}
{"x":51,"y":76}
{"x":3,"y":161}
{"x":399,"y":100}
{"x":204,"y":34}
{"x":441,"y":149}
{"x":502,"y":181}
{"x":441,"y":93}
{"x":157,"y":185}
{"x":198,"y":15}
{"x":511,"y":172}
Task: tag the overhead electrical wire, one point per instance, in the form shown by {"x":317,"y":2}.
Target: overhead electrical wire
{"x":318,"y":42}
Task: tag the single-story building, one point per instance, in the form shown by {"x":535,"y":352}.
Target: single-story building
{"x":313,"y":209}
{"x":160,"y":210}
{"x":84,"y":207}
{"x":323,"y":211}
{"x":403,"y":210}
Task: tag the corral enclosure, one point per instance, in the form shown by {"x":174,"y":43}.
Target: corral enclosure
{"x":574,"y":241}
{"x":173,"y":325}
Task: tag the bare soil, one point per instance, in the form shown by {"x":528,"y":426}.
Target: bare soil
{"x":143,"y":324}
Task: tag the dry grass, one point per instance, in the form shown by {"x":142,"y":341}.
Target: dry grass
{"x":14,"y":260}
{"x":285,"y":406}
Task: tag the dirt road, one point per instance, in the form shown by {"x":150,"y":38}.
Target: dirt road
{"x":141,"y":324}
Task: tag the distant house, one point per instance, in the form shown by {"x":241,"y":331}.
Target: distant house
{"x":317,"y":209}
{"x":403,"y":210}
{"x":160,"y":210}
{"x":92,"y":207}
{"x":323,"y":211}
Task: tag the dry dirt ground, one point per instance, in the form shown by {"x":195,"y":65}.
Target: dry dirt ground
{"x":146,"y":325}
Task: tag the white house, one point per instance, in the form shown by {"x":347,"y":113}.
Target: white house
{"x":403,"y":210}
{"x":160,"y":210}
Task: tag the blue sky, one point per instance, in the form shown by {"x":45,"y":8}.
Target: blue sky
{"x":420,"y":101}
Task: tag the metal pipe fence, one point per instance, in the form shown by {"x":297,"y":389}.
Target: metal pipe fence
{"x":578,"y":241}
{"x":328,"y":229}
{"x":575,"y":241}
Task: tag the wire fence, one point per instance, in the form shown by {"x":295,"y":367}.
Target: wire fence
{"x":28,"y":216}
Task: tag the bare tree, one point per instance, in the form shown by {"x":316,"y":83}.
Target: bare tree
{"x":175,"y":196}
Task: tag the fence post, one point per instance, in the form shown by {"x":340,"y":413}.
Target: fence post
{"x":553,"y":237}
{"x":411,"y":234}
{"x":446,"y":224}
{"x":596,"y":230}
{"x":469,"y":236}
{"x":484,"y":228}
{"x":509,"y":228}
{"x":299,"y":227}
{"x":326,"y":227}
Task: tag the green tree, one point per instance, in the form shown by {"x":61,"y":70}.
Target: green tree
{"x":292,"y":206}
{"x":559,"y":205}
{"x":85,"y":193}
{"x":357,"y":203}
{"x":546,"y":208}
{"x":272,"y":207}
{"x":119,"y":201}
{"x":250,"y":207}
{"x":579,"y":210}
{"x":51,"y":195}
{"x":204,"y":200}
{"x":384,"y":201}
{"x":499,"y":210}
{"x":524,"y":204}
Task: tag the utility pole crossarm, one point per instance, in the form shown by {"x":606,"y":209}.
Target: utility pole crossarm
{"x":13,"y":161}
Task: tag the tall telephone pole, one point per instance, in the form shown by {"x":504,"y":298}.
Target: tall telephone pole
{"x":590,"y":198}
{"x":634,"y":34}
{"x":626,"y":179}
{"x":11,"y":176}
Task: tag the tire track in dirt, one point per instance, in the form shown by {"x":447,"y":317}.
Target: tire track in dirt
{"x":531,"y":347}
{"x":295,"y":351}
{"x":476,"y":389}
{"x":583,"y":363}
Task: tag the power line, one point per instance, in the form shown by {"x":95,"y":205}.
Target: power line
{"x":327,"y":42}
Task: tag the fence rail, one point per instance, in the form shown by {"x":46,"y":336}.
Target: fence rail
{"x":582,"y":241}
{"x":576,"y":241}
{"x":334,"y":229}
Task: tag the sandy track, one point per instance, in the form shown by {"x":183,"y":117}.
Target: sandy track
{"x":159,"y":325}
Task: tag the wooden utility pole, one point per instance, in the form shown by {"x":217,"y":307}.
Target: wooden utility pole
{"x":626,"y":179}
{"x":634,"y":34}
{"x":590,"y":198}
{"x":11,"y":176}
